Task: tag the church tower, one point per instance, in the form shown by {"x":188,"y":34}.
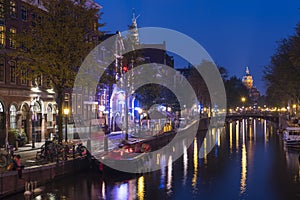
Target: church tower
{"x":133,"y":28}
{"x":247,"y":79}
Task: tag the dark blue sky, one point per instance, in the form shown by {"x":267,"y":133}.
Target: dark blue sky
{"x":236,"y":33}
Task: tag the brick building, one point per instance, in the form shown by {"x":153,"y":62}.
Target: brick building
{"x":25,"y":105}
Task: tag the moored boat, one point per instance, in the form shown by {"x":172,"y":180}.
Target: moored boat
{"x":291,"y":137}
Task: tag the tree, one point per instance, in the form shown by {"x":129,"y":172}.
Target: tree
{"x":235,"y":89}
{"x":282,"y":75}
{"x":54,"y":45}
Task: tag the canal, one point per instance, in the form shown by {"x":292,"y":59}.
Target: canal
{"x":248,"y":161}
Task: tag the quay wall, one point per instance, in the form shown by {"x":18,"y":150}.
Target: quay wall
{"x":10,"y":183}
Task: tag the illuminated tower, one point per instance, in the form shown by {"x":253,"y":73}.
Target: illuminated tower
{"x":133,"y":28}
{"x":247,"y":79}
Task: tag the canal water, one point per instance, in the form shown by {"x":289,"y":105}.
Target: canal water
{"x":249,"y":161}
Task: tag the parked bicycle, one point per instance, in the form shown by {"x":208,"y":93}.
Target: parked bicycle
{"x":6,"y":156}
{"x":50,"y":151}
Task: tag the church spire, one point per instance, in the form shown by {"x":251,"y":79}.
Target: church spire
{"x":247,"y":79}
{"x":133,"y":28}
{"x":247,"y":71}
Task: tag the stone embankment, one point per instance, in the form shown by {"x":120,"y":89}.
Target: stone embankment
{"x":10,"y":182}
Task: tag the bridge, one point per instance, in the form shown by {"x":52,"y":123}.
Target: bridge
{"x":271,"y":116}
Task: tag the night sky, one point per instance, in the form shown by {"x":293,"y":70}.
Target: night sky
{"x":235,"y":33}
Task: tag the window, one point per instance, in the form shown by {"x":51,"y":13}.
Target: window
{"x":2,"y":116}
{"x":74,"y":103}
{"x":12,"y":71}
{"x":2,"y":70}
{"x":12,"y":37}
{"x":24,"y":13}
{"x":33,"y":18}
{"x":39,"y":80}
{"x":13,"y":116}
{"x":2,"y":36}
{"x":12,"y":9}
{"x":49,"y":115}
{"x":67,"y":98}
{"x":2,"y":9}
{"x":24,"y":76}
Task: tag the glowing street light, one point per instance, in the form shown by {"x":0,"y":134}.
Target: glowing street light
{"x":66,"y":113}
{"x":243,"y":99}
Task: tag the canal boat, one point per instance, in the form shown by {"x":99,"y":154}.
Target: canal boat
{"x":138,"y":153}
{"x":291,"y":137}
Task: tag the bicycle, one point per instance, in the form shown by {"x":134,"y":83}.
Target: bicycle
{"x":6,"y":156}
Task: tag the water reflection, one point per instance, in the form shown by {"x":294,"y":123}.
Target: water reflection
{"x":237,"y":128}
{"x":169,"y":180}
{"x":249,"y":164}
{"x":230,"y":136}
{"x":185,"y":163}
{"x":244,"y":170}
{"x":194,"y":180}
{"x":141,"y":188}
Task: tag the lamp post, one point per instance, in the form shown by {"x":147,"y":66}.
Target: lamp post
{"x":66,"y":113}
{"x":33,"y":125}
{"x":243,"y":99}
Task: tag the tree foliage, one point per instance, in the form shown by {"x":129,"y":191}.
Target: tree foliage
{"x":235,"y":90}
{"x":282,"y":75}
{"x":56,"y":42}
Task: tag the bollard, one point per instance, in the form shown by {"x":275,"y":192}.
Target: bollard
{"x":105,"y":143}
{"x":73,"y":151}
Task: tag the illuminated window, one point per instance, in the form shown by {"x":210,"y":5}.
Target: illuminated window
{"x":2,"y":36}
{"x":24,"y":13}
{"x":12,"y":37}
{"x":49,"y":115}
{"x":12,"y":8}
{"x":12,"y":72}
{"x":2,"y":70}
{"x":13,"y":116}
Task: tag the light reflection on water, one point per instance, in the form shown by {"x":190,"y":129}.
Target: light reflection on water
{"x":239,"y":167}
{"x":195,"y":174}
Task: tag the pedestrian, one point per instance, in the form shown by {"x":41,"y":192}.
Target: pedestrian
{"x":17,"y":165}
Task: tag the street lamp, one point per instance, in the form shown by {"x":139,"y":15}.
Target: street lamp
{"x":66,"y":113}
{"x":243,"y":99}
{"x":294,"y":109}
{"x":33,"y":119}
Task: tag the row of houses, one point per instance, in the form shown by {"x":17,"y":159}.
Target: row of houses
{"x":30,"y":105}
{"x":26,"y":105}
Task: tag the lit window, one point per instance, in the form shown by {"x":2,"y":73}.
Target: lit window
{"x":12,"y":37}
{"x":13,"y":116}
{"x":2,"y":70}
{"x":12,"y":8}
{"x":49,"y":115}
{"x":12,"y":72}
{"x":2,"y":36}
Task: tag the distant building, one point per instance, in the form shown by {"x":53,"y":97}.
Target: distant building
{"x":254,"y":94}
{"x":145,"y":53}
{"x":247,"y":79}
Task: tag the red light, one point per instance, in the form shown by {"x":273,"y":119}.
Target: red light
{"x":125,"y":69}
